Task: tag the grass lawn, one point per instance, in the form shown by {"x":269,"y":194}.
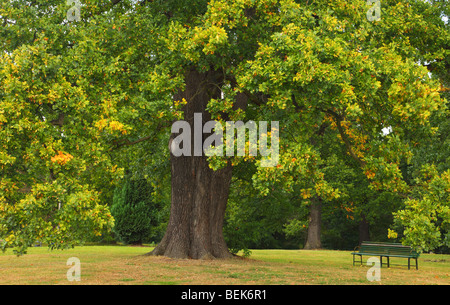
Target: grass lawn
{"x":126,"y":265}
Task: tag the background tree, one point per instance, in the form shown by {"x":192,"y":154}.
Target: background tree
{"x":425,"y":218}
{"x":423,"y":222}
{"x":136,"y":215}
{"x":255,"y":221}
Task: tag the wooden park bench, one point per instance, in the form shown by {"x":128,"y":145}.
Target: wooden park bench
{"x":387,"y":250}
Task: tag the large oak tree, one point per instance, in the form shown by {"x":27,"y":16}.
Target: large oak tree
{"x":74,"y":95}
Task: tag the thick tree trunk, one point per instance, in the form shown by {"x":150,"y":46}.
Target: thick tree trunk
{"x":364,"y":233}
{"x":313,"y":240}
{"x":199,"y":194}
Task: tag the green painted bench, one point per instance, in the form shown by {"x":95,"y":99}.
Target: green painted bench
{"x":387,"y":250}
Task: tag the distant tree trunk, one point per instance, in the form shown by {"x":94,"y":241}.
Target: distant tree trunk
{"x":364,"y":234}
{"x":313,"y":240}
{"x":199,"y":194}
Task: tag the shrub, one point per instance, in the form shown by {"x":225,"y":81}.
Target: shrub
{"x":134,"y":211}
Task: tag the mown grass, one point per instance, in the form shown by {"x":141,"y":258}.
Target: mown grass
{"x":124,"y":265}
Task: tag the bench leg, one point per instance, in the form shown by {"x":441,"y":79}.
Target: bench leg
{"x":388,"y":261}
{"x":417,"y":265}
{"x":381,"y":262}
{"x":360,"y":256}
{"x":355,"y":260}
{"x":409,"y":260}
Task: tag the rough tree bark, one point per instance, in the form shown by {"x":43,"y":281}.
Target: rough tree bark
{"x":313,"y":240}
{"x":199,"y":194}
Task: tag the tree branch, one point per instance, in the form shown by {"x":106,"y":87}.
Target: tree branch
{"x":348,"y":145}
{"x":127,"y":142}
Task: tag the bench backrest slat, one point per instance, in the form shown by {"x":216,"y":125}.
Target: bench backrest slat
{"x":387,"y":249}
